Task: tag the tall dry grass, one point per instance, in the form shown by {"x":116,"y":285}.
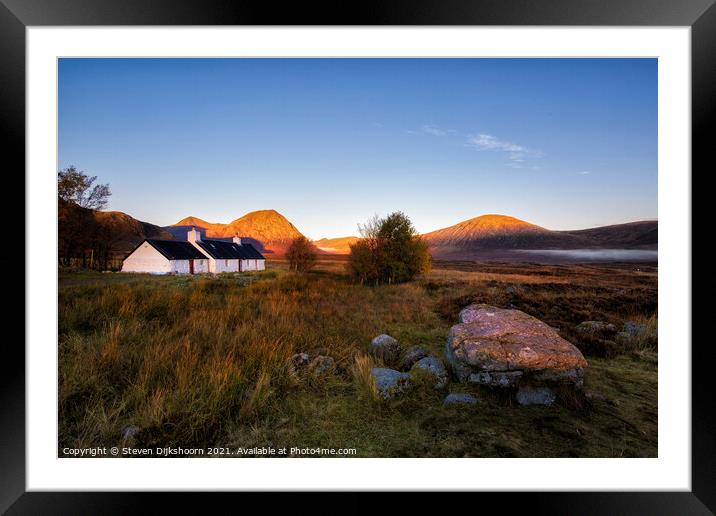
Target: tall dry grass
{"x":178,"y":359}
{"x":192,"y":360}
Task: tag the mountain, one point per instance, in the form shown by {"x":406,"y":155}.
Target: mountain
{"x":96,"y":238}
{"x":339,"y":245}
{"x":124,"y":232}
{"x":268,"y":230}
{"x":490,"y":234}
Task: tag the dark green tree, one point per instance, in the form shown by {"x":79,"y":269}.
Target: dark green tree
{"x":390,"y":251}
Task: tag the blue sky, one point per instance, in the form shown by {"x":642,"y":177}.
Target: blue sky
{"x":563,"y":143}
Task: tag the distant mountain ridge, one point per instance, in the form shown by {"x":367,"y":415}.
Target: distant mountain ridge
{"x":488,"y":234}
{"x":500,"y":232}
{"x":270,"y":232}
{"x":339,"y":245}
{"x":643,"y":234}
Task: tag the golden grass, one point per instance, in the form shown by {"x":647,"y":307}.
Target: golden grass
{"x":203,"y":360}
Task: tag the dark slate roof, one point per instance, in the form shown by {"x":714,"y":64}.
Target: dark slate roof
{"x":251,"y":253}
{"x":221,"y":250}
{"x":174,"y":250}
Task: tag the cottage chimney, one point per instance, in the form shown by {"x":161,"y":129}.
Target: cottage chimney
{"x":237,"y":240}
{"x":193,"y":235}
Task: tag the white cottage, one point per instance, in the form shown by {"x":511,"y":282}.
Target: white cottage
{"x":195,"y":256}
{"x":224,"y":256}
{"x":165,"y":257}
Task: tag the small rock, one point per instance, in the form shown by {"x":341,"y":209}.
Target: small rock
{"x":596,"y":327}
{"x":436,"y":368}
{"x":317,"y":352}
{"x":634,"y":329}
{"x":300,"y":360}
{"x":458,"y":398}
{"x":527,"y":395}
{"x":390,"y":382}
{"x":410,"y":357}
{"x":386,"y":347}
{"x":130,"y":431}
{"x":510,"y":290}
{"x":321,"y":365}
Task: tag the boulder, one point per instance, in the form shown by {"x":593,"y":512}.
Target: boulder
{"x":386,"y":348}
{"x":434,"y":367}
{"x":529,"y":395}
{"x":389,"y":382}
{"x":504,"y":348}
{"x":411,"y":356}
{"x":459,"y":398}
{"x":596,"y":328}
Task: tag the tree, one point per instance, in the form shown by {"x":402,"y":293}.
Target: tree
{"x":77,"y":187}
{"x":301,"y":254}
{"x":390,"y":251}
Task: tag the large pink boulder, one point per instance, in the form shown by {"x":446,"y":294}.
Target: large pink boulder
{"x":500,"y":347}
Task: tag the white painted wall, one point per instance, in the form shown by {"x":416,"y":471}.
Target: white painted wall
{"x":201,"y":266}
{"x":146,"y":259}
{"x":221,"y":265}
{"x":182,"y":266}
{"x":253,"y":265}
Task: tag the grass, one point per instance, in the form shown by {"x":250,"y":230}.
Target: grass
{"x":205,"y":361}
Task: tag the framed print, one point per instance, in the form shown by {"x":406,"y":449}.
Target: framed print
{"x":415,"y":250}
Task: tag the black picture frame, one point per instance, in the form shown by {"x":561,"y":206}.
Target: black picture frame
{"x":16,"y":15}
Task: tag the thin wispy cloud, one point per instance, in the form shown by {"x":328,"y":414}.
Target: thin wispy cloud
{"x":433,"y":130}
{"x":515,"y":153}
{"x":583,"y":172}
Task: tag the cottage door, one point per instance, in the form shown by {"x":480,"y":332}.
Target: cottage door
{"x":191,"y":266}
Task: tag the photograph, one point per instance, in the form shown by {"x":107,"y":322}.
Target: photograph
{"x":351,"y":257}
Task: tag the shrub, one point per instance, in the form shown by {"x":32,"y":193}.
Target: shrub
{"x":301,"y":254}
{"x":390,"y":251}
